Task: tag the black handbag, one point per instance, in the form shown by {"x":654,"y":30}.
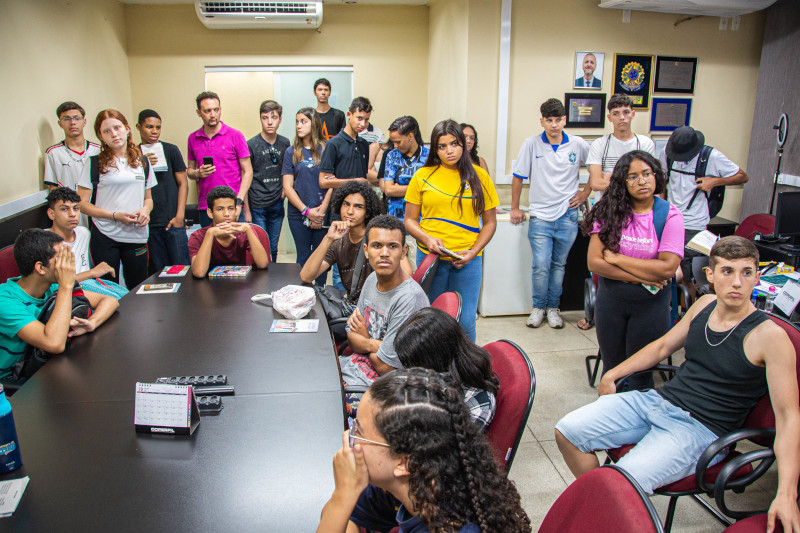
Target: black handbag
{"x":336,"y":303}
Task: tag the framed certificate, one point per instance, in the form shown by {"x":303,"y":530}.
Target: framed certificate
{"x":632,"y":76}
{"x":675,"y":74}
{"x":585,"y":110}
{"x":668,"y":114}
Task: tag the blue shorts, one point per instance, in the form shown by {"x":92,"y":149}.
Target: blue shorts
{"x":668,"y":440}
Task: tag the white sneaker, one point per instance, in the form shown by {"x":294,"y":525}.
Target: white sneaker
{"x":535,"y":320}
{"x":554,"y":318}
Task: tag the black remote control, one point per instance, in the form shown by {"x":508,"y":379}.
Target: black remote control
{"x":195,"y":381}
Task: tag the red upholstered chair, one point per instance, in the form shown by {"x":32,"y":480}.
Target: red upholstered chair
{"x":514,"y":399}
{"x":264,"y":238}
{"x":425,"y":271}
{"x":737,"y":470}
{"x":762,"y":223}
{"x":603,"y":500}
{"x":450,"y":303}
{"x":8,"y":266}
{"x":754,"y":524}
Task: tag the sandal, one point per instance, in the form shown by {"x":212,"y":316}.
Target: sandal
{"x":585,"y":324}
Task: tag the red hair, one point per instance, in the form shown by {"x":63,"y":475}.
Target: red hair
{"x":106,"y":158}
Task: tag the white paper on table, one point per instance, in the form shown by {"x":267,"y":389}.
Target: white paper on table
{"x":788,"y":298}
{"x":158,"y":150}
{"x":10,"y":494}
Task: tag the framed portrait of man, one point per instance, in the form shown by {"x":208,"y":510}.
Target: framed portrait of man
{"x":589,"y":70}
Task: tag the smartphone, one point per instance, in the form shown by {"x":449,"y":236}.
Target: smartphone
{"x":447,"y":252}
{"x":208,"y":161}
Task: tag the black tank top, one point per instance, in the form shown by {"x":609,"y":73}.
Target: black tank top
{"x":718,"y":385}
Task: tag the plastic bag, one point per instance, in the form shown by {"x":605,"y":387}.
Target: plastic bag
{"x":291,"y":301}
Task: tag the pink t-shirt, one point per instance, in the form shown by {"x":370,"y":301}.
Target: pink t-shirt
{"x":226,"y":147}
{"x":639,"y":239}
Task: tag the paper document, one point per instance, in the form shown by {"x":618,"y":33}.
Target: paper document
{"x":158,"y":288}
{"x":156,"y":149}
{"x":10,"y":494}
{"x":308,"y":325}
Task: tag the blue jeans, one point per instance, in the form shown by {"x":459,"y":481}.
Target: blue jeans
{"x":550,"y":243}
{"x":271,"y":219}
{"x":168,"y":247}
{"x":306,"y":240}
{"x":466,"y":281}
{"x":205,"y":220}
{"x":668,"y":440}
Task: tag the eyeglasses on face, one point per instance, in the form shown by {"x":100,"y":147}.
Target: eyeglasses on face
{"x":67,"y":120}
{"x":353,"y":423}
{"x":645,"y":177}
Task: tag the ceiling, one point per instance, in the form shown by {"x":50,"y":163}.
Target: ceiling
{"x":327,"y":2}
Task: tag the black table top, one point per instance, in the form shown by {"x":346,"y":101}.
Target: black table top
{"x":263,"y":463}
{"x":209,"y":326}
{"x":257,"y":466}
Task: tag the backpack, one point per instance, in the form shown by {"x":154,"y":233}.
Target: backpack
{"x":716,"y":197}
{"x":94,"y":174}
{"x":35,"y":358}
{"x":660,"y":212}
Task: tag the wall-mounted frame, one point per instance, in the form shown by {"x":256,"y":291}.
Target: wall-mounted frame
{"x":632,"y":76}
{"x":668,"y":114}
{"x":591,"y":64}
{"x":585,"y":110}
{"x":675,"y":75}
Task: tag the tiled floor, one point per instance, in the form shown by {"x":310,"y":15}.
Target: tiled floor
{"x":561,"y":386}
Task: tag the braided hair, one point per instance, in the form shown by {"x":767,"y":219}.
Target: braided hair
{"x":453,"y":476}
{"x":614,"y":211}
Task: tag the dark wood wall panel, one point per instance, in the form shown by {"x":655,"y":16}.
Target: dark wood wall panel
{"x":778,"y":92}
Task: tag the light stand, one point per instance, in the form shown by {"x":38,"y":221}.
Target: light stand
{"x":783,"y":128}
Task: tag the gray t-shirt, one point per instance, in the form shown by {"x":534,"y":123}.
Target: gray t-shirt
{"x":384,"y":313}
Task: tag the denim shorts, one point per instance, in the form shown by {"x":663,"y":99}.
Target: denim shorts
{"x":668,"y":440}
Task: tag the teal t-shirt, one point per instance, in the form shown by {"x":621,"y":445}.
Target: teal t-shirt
{"x":18,"y":310}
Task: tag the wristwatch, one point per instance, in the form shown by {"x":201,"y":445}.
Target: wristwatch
{"x":239,"y":201}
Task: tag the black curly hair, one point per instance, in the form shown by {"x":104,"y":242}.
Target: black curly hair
{"x":615,"y":209}
{"x":371,"y":203}
{"x":453,"y":476}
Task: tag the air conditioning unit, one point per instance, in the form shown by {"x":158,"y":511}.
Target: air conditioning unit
{"x":259,"y":15}
{"x":713,"y":8}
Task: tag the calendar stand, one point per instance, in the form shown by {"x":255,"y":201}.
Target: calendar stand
{"x":160,"y":408}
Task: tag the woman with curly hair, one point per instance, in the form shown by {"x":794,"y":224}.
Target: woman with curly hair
{"x":430,"y":338}
{"x":120,"y":207}
{"x":635,"y":248}
{"x":413,"y":459}
{"x":451,"y":211}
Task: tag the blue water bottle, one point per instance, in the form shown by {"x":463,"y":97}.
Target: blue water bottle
{"x":10,"y":458}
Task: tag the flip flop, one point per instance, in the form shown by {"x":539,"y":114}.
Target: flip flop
{"x":585,"y":324}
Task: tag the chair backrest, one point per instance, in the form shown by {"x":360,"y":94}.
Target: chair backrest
{"x":514,"y":399}
{"x":450,"y":303}
{"x":264,"y":238}
{"x":425,"y":271}
{"x":762,"y":223}
{"x":603,"y":500}
{"x":8,"y":266}
{"x":762,"y":414}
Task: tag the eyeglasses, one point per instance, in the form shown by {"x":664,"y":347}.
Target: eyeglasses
{"x":646,"y":176}
{"x":352,"y":422}
{"x":67,"y":120}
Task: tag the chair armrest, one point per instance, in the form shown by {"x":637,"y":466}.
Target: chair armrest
{"x":658,"y":368}
{"x":765,"y":455}
{"x":729,"y":440}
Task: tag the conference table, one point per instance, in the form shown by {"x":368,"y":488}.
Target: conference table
{"x":262,"y":464}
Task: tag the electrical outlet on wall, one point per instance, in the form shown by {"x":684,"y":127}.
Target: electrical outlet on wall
{"x":736,"y":21}
{"x":626,"y":15}
{"x":723,"y":23}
